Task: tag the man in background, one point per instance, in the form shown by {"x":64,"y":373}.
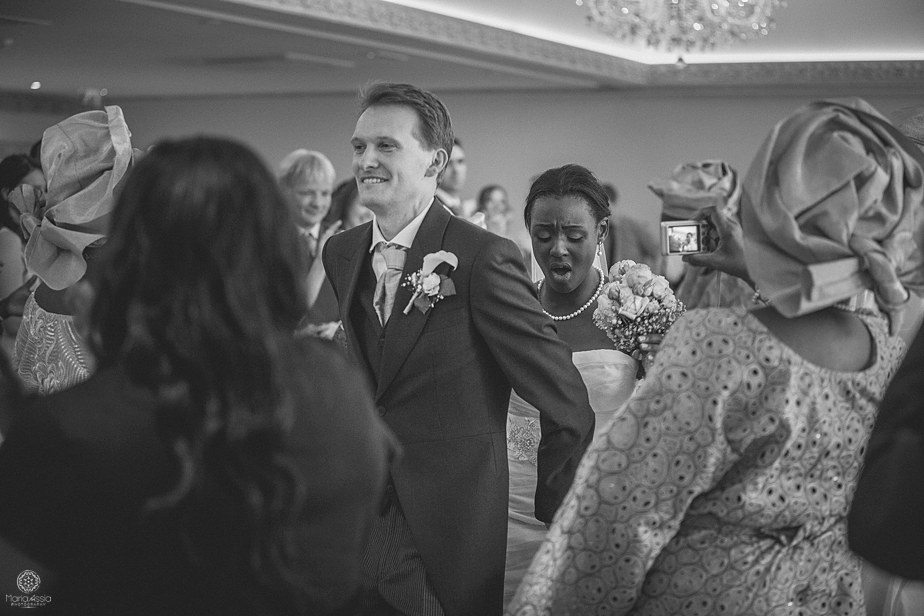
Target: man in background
{"x":452,"y":182}
{"x":307,"y":179}
{"x":630,"y":238}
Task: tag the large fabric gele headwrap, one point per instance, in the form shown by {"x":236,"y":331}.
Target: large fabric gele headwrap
{"x":84,"y":158}
{"x":832,"y":205}
{"x":694,"y":186}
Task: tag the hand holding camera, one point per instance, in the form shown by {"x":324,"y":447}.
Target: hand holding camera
{"x":728,"y":251}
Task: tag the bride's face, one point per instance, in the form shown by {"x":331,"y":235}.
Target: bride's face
{"x":564,"y":235}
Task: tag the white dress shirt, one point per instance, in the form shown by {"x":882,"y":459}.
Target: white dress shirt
{"x":405,"y":238}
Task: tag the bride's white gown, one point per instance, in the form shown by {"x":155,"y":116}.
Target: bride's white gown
{"x":610,"y":379}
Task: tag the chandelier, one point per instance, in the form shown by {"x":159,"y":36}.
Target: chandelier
{"x":685,"y":25}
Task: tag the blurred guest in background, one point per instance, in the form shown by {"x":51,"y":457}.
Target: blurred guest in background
{"x":213,"y":464}
{"x":84,"y":158}
{"x":16,"y":170}
{"x":630,"y":238}
{"x":307,"y":178}
{"x":346,"y":207}
{"x":493,"y":203}
{"x":452,"y":181}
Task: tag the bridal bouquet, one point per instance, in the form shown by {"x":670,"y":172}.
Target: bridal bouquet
{"x":635,"y":302}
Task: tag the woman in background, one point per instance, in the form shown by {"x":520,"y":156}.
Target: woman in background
{"x":17,"y":172}
{"x":84,"y":158}
{"x":493,"y":204}
{"x":213,"y":464}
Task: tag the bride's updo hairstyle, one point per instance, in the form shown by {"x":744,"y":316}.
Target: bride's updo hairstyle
{"x":569,"y":180}
{"x":198,"y":291}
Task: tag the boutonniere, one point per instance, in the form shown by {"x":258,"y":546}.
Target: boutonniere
{"x":429,"y":287}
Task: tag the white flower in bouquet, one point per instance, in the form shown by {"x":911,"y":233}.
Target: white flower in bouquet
{"x":635,"y":301}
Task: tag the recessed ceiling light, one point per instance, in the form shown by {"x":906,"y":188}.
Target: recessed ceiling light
{"x":35,"y":85}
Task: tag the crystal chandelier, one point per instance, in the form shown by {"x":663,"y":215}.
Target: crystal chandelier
{"x":684,"y":25}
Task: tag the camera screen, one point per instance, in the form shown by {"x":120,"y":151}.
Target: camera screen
{"x":683,"y":238}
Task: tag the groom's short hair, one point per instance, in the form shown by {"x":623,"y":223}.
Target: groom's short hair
{"x":432,"y":115}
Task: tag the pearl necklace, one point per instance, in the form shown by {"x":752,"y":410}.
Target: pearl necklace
{"x":586,"y":305}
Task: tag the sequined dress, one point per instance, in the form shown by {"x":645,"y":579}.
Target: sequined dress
{"x":49,"y":354}
{"x":609,"y":376}
{"x":723,"y":488}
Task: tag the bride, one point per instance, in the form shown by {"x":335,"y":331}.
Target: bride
{"x":566,"y":215}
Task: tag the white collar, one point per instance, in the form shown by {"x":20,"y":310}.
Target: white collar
{"x":405,"y":236}
{"x":314,"y":230}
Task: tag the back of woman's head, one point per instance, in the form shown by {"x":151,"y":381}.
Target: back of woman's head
{"x":198,"y":291}
{"x":569,"y":180}
{"x":201,"y":244}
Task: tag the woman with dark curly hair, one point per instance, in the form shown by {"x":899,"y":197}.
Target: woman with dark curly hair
{"x":213,"y":464}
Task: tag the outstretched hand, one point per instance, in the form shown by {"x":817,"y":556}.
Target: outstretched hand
{"x":728,"y":256}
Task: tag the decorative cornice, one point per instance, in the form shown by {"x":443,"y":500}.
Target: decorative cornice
{"x":478,"y":40}
{"x":394,"y":19}
{"x":788,"y":73}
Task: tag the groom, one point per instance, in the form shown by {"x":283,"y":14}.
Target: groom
{"x":442,"y":368}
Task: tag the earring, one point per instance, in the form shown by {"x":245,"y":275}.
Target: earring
{"x":600,"y":248}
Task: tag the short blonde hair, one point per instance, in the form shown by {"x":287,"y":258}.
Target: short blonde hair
{"x":305,"y":165}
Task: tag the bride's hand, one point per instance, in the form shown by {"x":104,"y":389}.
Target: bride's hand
{"x":648,"y":347}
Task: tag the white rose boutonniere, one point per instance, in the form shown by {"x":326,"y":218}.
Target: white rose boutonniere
{"x":429,"y":286}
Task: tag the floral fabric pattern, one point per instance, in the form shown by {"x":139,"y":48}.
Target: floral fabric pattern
{"x":723,"y":488}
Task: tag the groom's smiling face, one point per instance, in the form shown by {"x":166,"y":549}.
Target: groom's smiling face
{"x":393,"y":168}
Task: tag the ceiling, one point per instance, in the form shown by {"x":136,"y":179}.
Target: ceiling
{"x":166,"y":48}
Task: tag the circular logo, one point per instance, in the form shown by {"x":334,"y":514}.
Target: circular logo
{"x":28,"y":581}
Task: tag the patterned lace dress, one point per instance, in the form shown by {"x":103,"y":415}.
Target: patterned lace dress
{"x":609,"y":376}
{"x":49,"y":354}
{"x":723,"y":488}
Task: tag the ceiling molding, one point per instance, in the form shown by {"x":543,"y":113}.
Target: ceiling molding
{"x":788,"y":73}
{"x":610,"y":71}
{"x":394,"y":19}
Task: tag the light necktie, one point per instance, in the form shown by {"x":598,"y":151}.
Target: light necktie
{"x":312,"y":246}
{"x":387,"y":284}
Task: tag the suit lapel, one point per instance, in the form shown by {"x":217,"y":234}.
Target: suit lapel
{"x":403,"y":330}
{"x":354,"y":266}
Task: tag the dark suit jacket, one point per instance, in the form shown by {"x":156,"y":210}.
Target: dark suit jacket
{"x":83,"y":463}
{"x":443,"y":385}
{"x":325,"y":308}
{"x":884,"y":525}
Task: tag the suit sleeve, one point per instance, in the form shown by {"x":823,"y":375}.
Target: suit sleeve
{"x":327,"y":261}
{"x":537,"y":363}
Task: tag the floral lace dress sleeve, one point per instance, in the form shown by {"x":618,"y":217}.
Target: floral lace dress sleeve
{"x":637,"y":481}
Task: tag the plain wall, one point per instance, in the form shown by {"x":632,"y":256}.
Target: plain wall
{"x":628,"y":138}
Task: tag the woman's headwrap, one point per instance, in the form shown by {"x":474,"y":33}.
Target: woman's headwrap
{"x":694,"y":186}
{"x":831,"y":206}
{"x":84,"y":158}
